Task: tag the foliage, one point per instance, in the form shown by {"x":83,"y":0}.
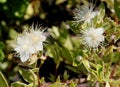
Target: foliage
{"x":66,"y":57}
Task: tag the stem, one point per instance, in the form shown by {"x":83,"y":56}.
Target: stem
{"x":34,"y":83}
{"x":113,"y":71}
{"x":116,"y":20}
{"x":39,"y":83}
{"x":38,"y":79}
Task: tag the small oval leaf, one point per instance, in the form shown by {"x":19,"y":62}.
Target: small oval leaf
{"x":3,"y":82}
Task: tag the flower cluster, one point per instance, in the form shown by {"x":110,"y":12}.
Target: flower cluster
{"x":92,"y":37}
{"x":29,"y":43}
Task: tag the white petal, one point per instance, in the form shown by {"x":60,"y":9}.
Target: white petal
{"x":93,"y":14}
{"x":24,"y":56}
{"x":100,"y":30}
{"x":18,"y":48}
{"x":39,"y":46}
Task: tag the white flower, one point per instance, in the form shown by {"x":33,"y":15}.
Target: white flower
{"x":29,"y":43}
{"x":84,"y":13}
{"x":93,"y":37}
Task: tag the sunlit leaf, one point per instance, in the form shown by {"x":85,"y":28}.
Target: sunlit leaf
{"x":73,"y":84}
{"x":18,"y":84}
{"x":1,"y":45}
{"x":3,"y":82}
{"x":13,"y":34}
{"x":66,"y":55}
{"x":59,"y":2}
{"x":3,"y":1}
{"x":2,"y":55}
{"x":101,"y":13}
{"x":72,"y":68}
{"x":28,"y":75}
{"x":57,"y":84}
{"x":65,"y":75}
{"x":17,"y":8}
{"x":86,"y":64}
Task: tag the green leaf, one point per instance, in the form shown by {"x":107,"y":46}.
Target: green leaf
{"x":109,"y":50}
{"x":58,"y":79}
{"x":30,"y":85}
{"x":35,"y":70}
{"x":3,"y":1}
{"x":3,"y":82}
{"x":42,"y":80}
{"x":65,"y":75}
{"x":55,"y":49}
{"x":117,"y":8}
{"x":115,"y":57}
{"x":86,"y":64}
{"x":68,"y":44}
{"x":2,"y":45}
{"x":52,"y":78}
{"x":99,"y":69}
{"x":101,"y":13}
{"x":66,"y":55}
{"x":28,"y":75}
{"x":74,"y":27}
{"x":102,"y":10}
{"x":53,"y":52}
{"x":55,"y":32}
{"x":107,"y":71}
{"x":99,"y":72}
{"x":17,"y":8}
{"x":72,"y":68}
{"x":13,"y":34}
{"x":59,"y":2}
{"x":73,"y":84}
{"x":18,"y":84}
{"x":2,"y":55}
{"x":57,"y":84}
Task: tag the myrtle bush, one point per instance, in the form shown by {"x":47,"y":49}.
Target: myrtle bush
{"x":60,"y":43}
